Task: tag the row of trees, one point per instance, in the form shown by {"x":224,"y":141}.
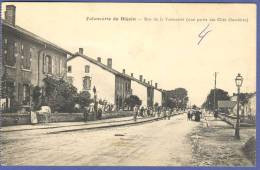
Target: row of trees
{"x":222,"y":95}
{"x":177,"y":98}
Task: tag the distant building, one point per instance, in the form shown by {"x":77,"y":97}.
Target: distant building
{"x":27,"y":60}
{"x":113,"y":86}
{"x":158,"y":98}
{"x":250,"y":106}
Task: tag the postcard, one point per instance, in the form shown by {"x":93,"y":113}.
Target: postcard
{"x":128,"y":84}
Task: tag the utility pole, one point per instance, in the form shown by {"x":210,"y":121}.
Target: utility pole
{"x":215,"y":84}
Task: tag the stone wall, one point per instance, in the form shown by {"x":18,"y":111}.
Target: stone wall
{"x":9,"y":119}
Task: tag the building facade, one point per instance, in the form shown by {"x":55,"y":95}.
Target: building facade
{"x":86,"y":74}
{"x":27,"y":60}
{"x":114,"y":87}
{"x":250,"y":106}
{"x":140,"y":90}
{"x":157,"y":97}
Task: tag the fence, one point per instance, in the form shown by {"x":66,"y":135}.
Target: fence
{"x":8,"y":119}
{"x":231,"y":120}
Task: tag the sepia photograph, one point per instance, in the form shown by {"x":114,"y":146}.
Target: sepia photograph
{"x":128,"y":84}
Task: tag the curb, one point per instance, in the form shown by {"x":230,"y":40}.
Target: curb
{"x":54,"y":127}
{"x":111,"y":126}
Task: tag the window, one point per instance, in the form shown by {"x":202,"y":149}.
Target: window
{"x":48,"y":64}
{"x":9,"y":51}
{"x":26,"y":94}
{"x":26,"y":56}
{"x":86,"y":83}
{"x":69,"y":69}
{"x":58,"y":67}
{"x":62,"y":66}
{"x":53,"y":66}
{"x":5,"y":41}
{"x":87,"y":68}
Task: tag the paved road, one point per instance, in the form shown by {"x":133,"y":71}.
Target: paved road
{"x":159,"y":143}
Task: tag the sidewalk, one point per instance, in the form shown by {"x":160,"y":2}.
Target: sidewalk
{"x":213,"y":144}
{"x":60,"y":124}
{"x":74,"y":126}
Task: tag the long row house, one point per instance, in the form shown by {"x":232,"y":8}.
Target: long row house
{"x":86,"y":73}
{"x":28,"y":59}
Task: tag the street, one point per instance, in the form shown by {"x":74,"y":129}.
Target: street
{"x":159,"y":143}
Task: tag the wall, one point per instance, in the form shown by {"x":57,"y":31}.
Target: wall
{"x":123,"y":90}
{"x":150,"y":96}
{"x":250,"y":107}
{"x":103,"y":80}
{"x":35,"y":75}
{"x":9,"y":119}
{"x":157,"y":97}
{"x":140,"y":91}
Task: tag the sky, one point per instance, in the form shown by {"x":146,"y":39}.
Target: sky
{"x":166,"y":52}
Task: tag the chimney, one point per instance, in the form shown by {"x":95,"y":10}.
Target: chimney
{"x":123,"y":71}
{"x":151,"y":82}
{"x":109,"y":62}
{"x":144,"y":80}
{"x":99,"y":59}
{"x":81,"y":51}
{"x":132,"y":74}
{"x":148,"y":82}
{"x":156,"y":85}
{"x":141,"y":77}
{"x":10,"y":14}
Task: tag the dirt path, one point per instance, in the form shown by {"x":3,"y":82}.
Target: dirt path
{"x":160,"y":143}
{"x":215,"y":145}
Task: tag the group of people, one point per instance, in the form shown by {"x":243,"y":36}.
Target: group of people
{"x":194,"y":112}
{"x":152,"y":112}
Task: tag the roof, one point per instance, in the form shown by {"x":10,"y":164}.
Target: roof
{"x":226,"y":104}
{"x":252,"y":95}
{"x":111,"y":70}
{"x":33,"y":36}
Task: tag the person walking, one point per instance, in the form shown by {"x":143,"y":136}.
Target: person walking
{"x":86,"y":113}
{"x":135,"y":112}
{"x":189,"y":113}
{"x":216,"y":114}
{"x":169,"y":114}
{"x":158,"y":111}
{"x":164,"y":113}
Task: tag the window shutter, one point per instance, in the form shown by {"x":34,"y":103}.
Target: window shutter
{"x":43,"y":63}
{"x":20,"y":92}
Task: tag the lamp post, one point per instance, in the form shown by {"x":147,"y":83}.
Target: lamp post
{"x":239,"y":81}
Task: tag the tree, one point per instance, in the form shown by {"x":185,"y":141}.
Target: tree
{"x":59,"y":94}
{"x":133,"y":100}
{"x":220,"y":95}
{"x":36,"y":94}
{"x":177,"y":98}
{"x":84,"y":99}
{"x":243,"y":97}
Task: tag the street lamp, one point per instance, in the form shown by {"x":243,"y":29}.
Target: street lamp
{"x":239,"y":82}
